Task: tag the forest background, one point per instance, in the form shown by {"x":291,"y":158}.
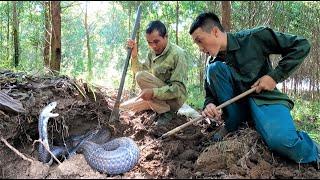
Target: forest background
{"x":86,"y":40}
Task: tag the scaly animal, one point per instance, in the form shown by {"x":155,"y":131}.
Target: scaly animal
{"x":113,"y":157}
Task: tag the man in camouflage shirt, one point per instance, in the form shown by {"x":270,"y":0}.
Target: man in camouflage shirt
{"x":162,"y":77}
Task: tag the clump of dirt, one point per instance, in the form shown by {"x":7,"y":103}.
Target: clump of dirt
{"x":188,"y":154}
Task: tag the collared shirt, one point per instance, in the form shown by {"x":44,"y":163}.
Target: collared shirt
{"x":170,"y":67}
{"x":248,"y":56}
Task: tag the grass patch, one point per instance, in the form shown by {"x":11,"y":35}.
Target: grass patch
{"x":195,"y":97}
{"x":307,"y":117}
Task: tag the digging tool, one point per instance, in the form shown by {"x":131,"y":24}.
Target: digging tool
{"x":175,"y":130}
{"x":115,"y":112}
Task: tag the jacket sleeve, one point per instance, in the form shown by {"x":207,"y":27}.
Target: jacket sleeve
{"x":136,"y":65}
{"x":293,"y":49}
{"x":209,"y":96}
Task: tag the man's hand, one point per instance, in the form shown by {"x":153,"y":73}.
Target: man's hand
{"x":146,"y":94}
{"x":133,"y":45}
{"x":264,"y":83}
{"x":212,"y":112}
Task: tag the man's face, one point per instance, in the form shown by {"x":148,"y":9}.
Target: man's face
{"x":156,"y":42}
{"x":208,"y":43}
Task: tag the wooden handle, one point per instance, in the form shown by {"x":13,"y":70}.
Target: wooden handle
{"x":173,"y":131}
{"x":115,"y":112}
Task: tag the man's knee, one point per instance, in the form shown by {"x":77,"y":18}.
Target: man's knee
{"x":141,"y":76}
{"x":281,"y":143}
{"x":175,"y":105}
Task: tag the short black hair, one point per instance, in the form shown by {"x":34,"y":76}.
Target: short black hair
{"x":157,"y":25}
{"x":206,"y":21}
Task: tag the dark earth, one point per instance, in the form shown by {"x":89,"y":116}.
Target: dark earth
{"x":82,"y":107}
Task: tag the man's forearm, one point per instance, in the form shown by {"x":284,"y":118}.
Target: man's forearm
{"x":167,"y":92}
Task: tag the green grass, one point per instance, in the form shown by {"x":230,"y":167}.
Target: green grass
{"x":195,"y":97}
{"x":307,"y":117}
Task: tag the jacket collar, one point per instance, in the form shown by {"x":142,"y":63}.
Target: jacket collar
{"x":232,"y":42}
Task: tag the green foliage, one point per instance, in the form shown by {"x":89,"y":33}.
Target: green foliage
{"x":110,"y":24}
{"x":195,"y":97}
{"x":307,"y":117}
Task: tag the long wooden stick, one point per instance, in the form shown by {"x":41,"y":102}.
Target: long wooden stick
{"x":201,"y":118}
{"x":44,"y":145}
{"x":115,"y":112}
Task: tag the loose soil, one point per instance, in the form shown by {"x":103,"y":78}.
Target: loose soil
{"x":188,"y":154}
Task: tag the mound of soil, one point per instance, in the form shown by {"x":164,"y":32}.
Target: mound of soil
{"x":188,"y":154}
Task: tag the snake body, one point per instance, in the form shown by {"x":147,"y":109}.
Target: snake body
{"x":113,"y":157}
{"x":44,"y":116}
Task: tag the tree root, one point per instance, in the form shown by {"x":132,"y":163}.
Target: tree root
{"x":16,"y":151}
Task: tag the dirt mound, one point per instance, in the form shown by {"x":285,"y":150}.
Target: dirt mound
{"x":188,"y":154}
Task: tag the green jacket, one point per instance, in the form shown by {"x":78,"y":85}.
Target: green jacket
{"x":248,"y":56}
{"x":170,"y":67}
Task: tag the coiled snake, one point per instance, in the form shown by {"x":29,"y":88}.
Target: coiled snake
{"x":113,"y":157}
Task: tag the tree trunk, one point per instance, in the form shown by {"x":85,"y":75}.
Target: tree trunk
{"x":8,"y":31}
{"x":213,"y":6}
{"x":47,"y":34}
{"x":201,"y":67}
{"x":1,"y":38}
{"x":90,"y":75}
{"x":56,"y":37}
{"x":269,"y":19}
{"x":15,"y":34}
{"x":292,"y":86}
{"x":177,"y":21}
{"x":295,"y":86}
{"x":133,"y":87}
{"x":226,"y":15}
{"x":129,"y":22}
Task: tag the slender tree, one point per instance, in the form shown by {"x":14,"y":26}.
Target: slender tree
{"x":15,"y":34}
{"x":8,"y":31}
{"x":177,"y":21}
{"x":47,"y":34}
{"x":226,"y":15}
{"x":56,"y":36}
{"x":90,"y":63}
{"x":137,"y":40}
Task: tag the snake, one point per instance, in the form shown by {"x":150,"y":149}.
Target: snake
{"x":113,"y":157}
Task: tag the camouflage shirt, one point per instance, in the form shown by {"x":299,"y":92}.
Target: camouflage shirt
{"x":170,"y":67}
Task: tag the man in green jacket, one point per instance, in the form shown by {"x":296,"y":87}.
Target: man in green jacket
{"x":241,"y":61}
{"x":162,"y":77}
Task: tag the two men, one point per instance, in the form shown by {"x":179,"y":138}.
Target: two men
{"x":241,"y":61}
{"x":162,"y":77}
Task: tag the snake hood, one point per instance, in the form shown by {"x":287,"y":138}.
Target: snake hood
{"x":46,"y":111}
{"x":43,"y":134}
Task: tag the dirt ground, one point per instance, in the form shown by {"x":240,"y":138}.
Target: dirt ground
{"x":188,"y":154}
